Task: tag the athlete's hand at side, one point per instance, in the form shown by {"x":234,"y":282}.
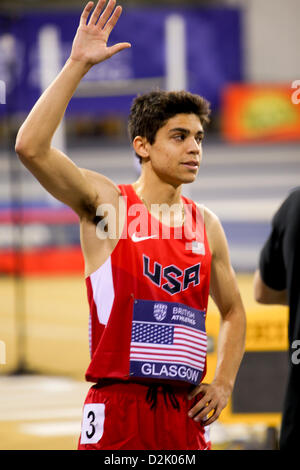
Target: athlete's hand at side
{"x":214,"y":397}
{"x":90,"y":43}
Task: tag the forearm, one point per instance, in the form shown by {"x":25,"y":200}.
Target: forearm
{"x":37,"y":131}
{"x":215,"y":395}
{"x":231,"y":346}
{"x":265,"y":295}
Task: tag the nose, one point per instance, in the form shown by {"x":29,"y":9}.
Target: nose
{"x":194,"y":146}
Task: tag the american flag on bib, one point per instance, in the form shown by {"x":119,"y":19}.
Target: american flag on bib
{"x":168,"y":343}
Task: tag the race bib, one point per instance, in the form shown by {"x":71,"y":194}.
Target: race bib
{"x":168,"y":341}
{"x":92,"y":423}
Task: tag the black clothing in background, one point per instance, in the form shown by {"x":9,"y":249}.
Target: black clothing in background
{"x":280,"y":269}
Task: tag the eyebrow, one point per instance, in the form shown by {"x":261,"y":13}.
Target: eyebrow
{"x":184,"y":131}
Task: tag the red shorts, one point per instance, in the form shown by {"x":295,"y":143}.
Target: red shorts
{"x":130,"y":416}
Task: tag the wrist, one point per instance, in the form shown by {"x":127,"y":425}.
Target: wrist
{"x":80,"y":66}
{"x":226,"y":384}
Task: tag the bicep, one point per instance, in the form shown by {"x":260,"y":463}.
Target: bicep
{"x":63,"y":180}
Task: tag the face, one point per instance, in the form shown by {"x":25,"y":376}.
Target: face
{"x":176,"y":153}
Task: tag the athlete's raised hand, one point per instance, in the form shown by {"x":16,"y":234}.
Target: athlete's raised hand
{"x":90,"y":42}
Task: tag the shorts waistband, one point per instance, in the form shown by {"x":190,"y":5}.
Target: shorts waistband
{"x":168,"y":390}
{"x":180,"y":388}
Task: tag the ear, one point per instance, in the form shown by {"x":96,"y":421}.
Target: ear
{"x":141,"y":146}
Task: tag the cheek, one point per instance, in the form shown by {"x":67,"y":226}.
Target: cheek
{"x":163,"y":157}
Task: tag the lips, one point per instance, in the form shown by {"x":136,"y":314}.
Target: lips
{"x":191,"y":164}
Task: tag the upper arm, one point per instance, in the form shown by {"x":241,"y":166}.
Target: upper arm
{"x":270,"y":279}
{"x":223,"y":286}
{"x":68,"y":183}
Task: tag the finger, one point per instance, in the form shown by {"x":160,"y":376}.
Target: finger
{"x":195,"y":391}
{"x":211,"y":417}
{"x":118,"y":47}
{"x":95,"y":15}
{"x":106,"y":14}
{"x":199,"y":407}
{"x":113,"y":20}
{"x":206,"y":412}
{"x":85,"y":13}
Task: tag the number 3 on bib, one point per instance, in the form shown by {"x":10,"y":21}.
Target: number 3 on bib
{"x":92,"y":423}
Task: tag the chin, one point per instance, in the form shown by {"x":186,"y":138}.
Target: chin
{"x":189,"y":179}
{"x":182,"y":179}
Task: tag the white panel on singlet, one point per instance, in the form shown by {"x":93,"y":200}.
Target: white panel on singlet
{"x":103,"y":291}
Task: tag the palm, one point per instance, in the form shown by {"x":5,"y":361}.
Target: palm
{"x":90,"y":42}
{"x":90,"y":45}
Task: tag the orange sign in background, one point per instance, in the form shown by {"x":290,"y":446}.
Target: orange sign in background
{"x":256,"y":113}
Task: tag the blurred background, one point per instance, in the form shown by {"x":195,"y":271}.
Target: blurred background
{"x":240,"y":55}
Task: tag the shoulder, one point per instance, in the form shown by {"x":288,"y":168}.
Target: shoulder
{"x":291,"y":201}
{"x":288,"y":211}
{"x":211,"y":220}
{"x":214,"y":231}
{"x":209,"y":216}
{"x":294,"y":195}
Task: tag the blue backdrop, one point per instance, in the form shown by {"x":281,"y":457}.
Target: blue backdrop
{"x":214,"y":54}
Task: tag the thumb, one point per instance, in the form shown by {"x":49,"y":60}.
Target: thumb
{"x":118,"y":47}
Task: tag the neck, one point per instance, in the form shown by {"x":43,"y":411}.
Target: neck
{"x":154,"y":195}
{"x":155,"y":191}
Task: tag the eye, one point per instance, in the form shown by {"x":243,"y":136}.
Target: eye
{"x":179,"y":137}
{"x":199,"y":139}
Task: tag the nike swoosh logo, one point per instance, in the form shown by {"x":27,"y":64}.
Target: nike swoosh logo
{"x":136,"y":239}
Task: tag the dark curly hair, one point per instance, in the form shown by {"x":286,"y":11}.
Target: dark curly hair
{"x":149,"y":112}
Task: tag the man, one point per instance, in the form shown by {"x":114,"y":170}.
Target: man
{"x":147,"y":292}
{"x":277,"y":282}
